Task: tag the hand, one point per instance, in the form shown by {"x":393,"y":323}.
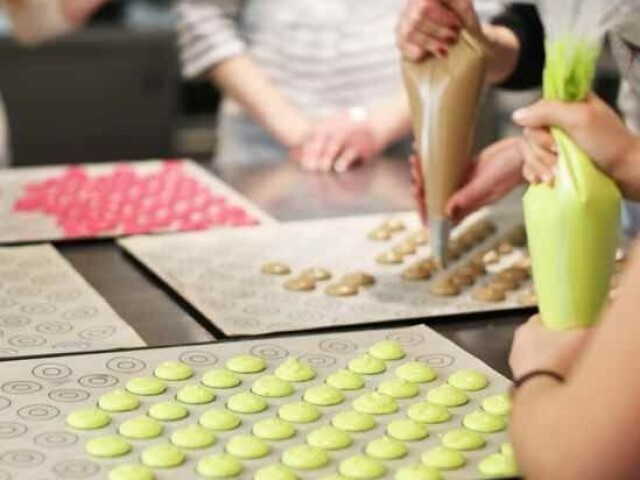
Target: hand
{"x":431,"y":27}
{"x":418,"y":187}
{"x":496,"y":171}
{"x":536,"y":347}
{"x":338,"y":142}
{"x":78,"y":12}
{"x":591,"y":124}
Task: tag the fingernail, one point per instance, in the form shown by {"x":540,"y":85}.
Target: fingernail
{"x":340,"y":168}
{"x":519,"y":115}
{"x":443,"y":52}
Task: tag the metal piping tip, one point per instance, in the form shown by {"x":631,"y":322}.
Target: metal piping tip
{"x":439,"y":229}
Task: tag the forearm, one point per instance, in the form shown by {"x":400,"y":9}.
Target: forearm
{"x":244,"y":81}
{"x":626,"y":173}
{"x":391,"y":118}
{"x":504,"y":51}
{"x":34,"y":21}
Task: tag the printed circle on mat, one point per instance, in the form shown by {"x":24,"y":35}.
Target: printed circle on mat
{"x":39,"y":309}
{"x":54,"y":328}
{"x":12,"y":430}
{"x":439,"y":360}
{"x":51,"y":371}
{"x":59,"y":439}
{"x":99,"y":332}
{"x":7,"y":302}
{"x":4,"y":403}
{"x":80,"y":313}
{"x":338,"y":345}
{"x":21,"y":387}
{"x":126,"y":365}
{"x":76,"y":469}
{"x":406,"y":339}
{"x":269,"y":352}
{"x":318,"y":360}
{"x":22,"y":458}
{"x":64,"y":296}
{"x":197,"y":358}
{"x":68,"y":395}
{"x":38,"y":412}
{"x":14,"y":321}
{"x":98,"y":380}
{"x":27,"y":341}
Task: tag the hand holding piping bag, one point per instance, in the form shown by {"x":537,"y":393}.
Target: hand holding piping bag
{"x":444,"y":93}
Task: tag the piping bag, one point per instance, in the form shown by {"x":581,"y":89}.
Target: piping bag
{"x":573,"y":226}
{"x":444,"y":94}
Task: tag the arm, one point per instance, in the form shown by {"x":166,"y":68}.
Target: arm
{"x":210,"y":45}
{"x":514,"y":39}
{"x":34,"y":21}
{"x":586,"y":428}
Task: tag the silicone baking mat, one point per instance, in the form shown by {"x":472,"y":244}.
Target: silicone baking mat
{"x":108,"y":200}
{"x":220,"y":274}
{"x":39,"y":400}
{"x":46,"y":307}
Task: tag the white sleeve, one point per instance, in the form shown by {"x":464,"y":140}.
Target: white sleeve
{"x":207,"y":34}
{"x":33,"y":21}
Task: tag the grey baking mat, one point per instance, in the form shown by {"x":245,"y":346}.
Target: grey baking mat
{"x":114,"y":199}
{"x":47,"y":307}
{"x":36,"y":396}
{"x":219,"y":273}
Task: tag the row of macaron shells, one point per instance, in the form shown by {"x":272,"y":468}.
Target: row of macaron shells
{"x":279,"y":385}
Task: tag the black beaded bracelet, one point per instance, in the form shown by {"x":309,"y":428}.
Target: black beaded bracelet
{"x":518,"y":382}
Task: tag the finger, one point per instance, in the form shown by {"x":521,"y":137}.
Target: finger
{"x":435,"y":12}
{"x":330,"y":153}
{"x":438,"y":32}
{"x":550,"y":113}
{"x":413,"y":52}
{"x":348,"y":158}
{"x":430,"y":44}
{"x":466,"y":13}
{"x":311,"y":151}
{"x":542,"y":138}
{"x":542,"y":162}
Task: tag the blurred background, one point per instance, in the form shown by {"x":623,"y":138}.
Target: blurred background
{"x":113,"y":91}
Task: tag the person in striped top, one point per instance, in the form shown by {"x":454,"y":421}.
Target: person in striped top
{"x":315,"y":81}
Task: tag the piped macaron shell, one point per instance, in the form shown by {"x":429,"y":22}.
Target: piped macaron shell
{"x":272,"y":387}
{"x":219,"y":465}
{"x":219,"y":420}
{"x":88,"y":419}
{"x":168,"y":411}
{"x":295,"y":370}
{"x":193,"y":437}
{"x":140,"y":428}
{"x":443,"y":458}
{"x":481,"y":421}
{"x":470,"y":380}
{"x":447,"y":396}
{"x":162,"y":456}
{"x":362,"y":467}
{"x":273,"y":429}
{"x":345,"y":380}
{"x":375,"y":404}
{"x":107,"y":447}
{"x":426,"y":412}
{"x":416,"y":372}
{"x":247,"y":446}
{"x":398,"y":388}
{"x":386,"y":448}
{"x":131,"y":472}
{"x":407,"y":430}
{"x":497,"y":404}
{"x":173,"y":371}
{"x":462,"y":439}
{"x":274,"y":472}
{"x":299,"y":412}
{"x":387,"y":350}
{"x":195,"y":394}
{"x":220,"y":378}
{"x":367,"y":365}
{"x":323,"y":395}
{"x":329,"y":438}
{"x":146,"y":386}
{"x":305,"y":457}
{"x":246,"y":364}
{"x":118,"y":401}
{"x":418,"y":472}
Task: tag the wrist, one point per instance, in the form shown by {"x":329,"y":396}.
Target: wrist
{"x":291,"y":129}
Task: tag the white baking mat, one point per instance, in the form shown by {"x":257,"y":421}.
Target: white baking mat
{"x":37,"y":395}
{"x":219,"y":273}
{"x":47,"y":307}
{"x":115,"y":199}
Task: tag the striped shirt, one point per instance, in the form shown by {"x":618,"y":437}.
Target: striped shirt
{"x":323,"y":54}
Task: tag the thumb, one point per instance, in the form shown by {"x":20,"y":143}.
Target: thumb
{"x":549,"y":113}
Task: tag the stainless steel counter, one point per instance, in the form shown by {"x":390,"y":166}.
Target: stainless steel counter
{"x":287,"y":193}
